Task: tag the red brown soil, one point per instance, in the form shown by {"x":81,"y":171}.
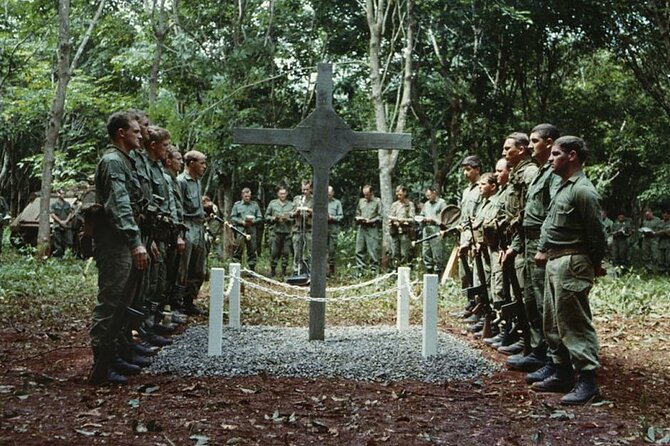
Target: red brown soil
{"x":44,"y":399}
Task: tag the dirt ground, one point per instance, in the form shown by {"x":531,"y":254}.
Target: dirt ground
{"x":44,"y":399}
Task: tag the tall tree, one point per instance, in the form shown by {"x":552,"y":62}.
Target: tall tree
{"x":402,"y":22}
{"x":65,"y":69}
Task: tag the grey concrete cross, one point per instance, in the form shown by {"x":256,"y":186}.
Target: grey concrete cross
{"x":323,"y":139}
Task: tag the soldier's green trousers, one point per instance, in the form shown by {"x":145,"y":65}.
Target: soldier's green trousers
{"x":533,"y":296}
{"x":497,"y":293}
{"x":302,"y":250}
{"x":620,"y":251}
{"x":650,"y":253}
{"x":432,"y":251}
{"x":367,"y":242}
{"x":62,"y":239}
{"x":400,"y":249}
{"x":568,"y":328}
{"x":332,"y":244}
{"x":114,"y":270}
{"x":192,"y":262}
{"x":664,"y":254}
{"x":241,"y":243}
{"x":280,"y":248}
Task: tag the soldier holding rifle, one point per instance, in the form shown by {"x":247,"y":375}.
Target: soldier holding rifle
{"x":119,"y":252}
{"x":572,"y":246}
{"x":516,"y":150}
{"x":540,"y":192}
{"x":278,"y":215}
{"x":401,"y":226}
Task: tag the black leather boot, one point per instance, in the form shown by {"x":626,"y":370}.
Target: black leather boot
{"x":584,"y":391}
{"x":561,"y":381}
{"x":542,"y":374}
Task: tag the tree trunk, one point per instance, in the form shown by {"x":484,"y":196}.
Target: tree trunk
{"x":54,"y":125}
{"x":160,"y":28}
{"x":56,"y":115}
{"x":376,"y":15}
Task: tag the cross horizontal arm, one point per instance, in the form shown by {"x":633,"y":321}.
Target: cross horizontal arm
{"x":279,"y":137}
{"x":378,"y":140}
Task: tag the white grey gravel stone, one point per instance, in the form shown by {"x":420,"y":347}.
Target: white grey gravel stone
{"x":375,"y":353}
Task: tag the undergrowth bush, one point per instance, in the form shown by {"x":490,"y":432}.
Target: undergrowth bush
{"x":48,"y":291}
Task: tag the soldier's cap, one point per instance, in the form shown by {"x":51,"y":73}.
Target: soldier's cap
{"x":473,"y":161}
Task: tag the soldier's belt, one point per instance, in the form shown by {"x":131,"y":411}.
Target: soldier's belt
{"x":554,"y":253}
{"x":531,"y":233}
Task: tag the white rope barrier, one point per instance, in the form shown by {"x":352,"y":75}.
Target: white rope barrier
{"x":329,"y":290}
{"x":316,"y":299}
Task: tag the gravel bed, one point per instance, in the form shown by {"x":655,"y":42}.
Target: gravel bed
{"x":377,"y":353}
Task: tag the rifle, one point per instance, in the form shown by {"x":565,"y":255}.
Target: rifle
{"x":513,"y":308}
{"x":232,"y":228}
{"x":480,"y":293}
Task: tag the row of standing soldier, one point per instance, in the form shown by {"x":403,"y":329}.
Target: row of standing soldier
{"x":149,"y":245}
{"x":533,"y":232}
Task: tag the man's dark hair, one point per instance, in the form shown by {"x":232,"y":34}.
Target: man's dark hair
{"x":569,"y":143}
{"x":520,"y":139}
{"x":547,"y":131}
{"x":473,"y":161}
{"x":119,"y":120}
{"x":489,"y":177}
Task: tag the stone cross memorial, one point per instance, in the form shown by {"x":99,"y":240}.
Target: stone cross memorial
{"x":323,"y":139}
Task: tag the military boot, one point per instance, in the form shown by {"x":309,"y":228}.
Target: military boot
{"x":512,"y":349}
{"x":561,"y":381}
{"x":585,"y":390}
{"x":541,"y":374}
{"x":530,"y":363}
{"x":102,"y":372}
{"x":124,"y":368}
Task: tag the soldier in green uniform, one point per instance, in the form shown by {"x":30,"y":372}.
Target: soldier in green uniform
{"x":541,"y":190}
{"x":472,"y":168}
{"x":278,"y":216}
{"x":4,"y":211}
{"x":401,"y":226}
{"x":523,"y":169}
{"x":61,"y":213}
{"x":368,"y":217}
{"x":650,"y":224}
{"x":335,"y":216}
{"x":621,"y":232}
{"x":432,"y":251}
{"x":607,"y":224}
{"x":302,"y":228}
{"x":572,"y":246}
{"x":173,"y":164}
{"x":192,"y":263}
{"x":157,"y":149}
{"x":664,"y":242}
{"x":119,"y":252}
{"x":246,"y":216}
{"x":493,"y":232}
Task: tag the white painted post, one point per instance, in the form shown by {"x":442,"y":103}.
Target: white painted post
{"x":402,"y":311}
{"x":429,"y":347}
{"x":216,"y":312}
{"x":234,"y":303}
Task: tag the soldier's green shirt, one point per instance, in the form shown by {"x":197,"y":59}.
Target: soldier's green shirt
{"x":621,"y":230}
{"x":61,"y":209}
{"x":488,"y":212}
{"x":336,"y":215}
{"x":141,"y":163}
{"x":370,"y":210}
{"x":159,"y":186}
{"x":278,"y":209}
{"x":191,"y":196}
{"x":302,"y":202}
{"x":654,"y":223}
{"x":574,"y":218}
{"x":403,"y":212}
{"x":240,"y":211}
{"x":520,"y":178}
{"x":540,"y":192}
{"x":176,"y":209}
{"x":470,"y":202}
{"x":432,"y":209}
{"x":118,"y":191}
